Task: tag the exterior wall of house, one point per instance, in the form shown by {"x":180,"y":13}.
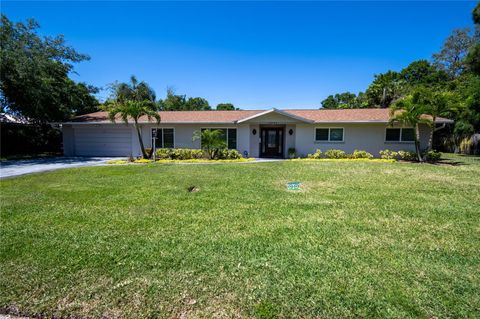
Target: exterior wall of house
{"x":369,"y":137}
{"x":290,"y":139}
{"x":183,"y":135}
{"x":254,"y":140}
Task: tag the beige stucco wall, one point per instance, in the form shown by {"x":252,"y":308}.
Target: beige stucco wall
{"x":369,"y":137}
{"x":183,"y":135}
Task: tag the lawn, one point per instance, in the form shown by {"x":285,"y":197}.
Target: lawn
{"x":360,"y":239}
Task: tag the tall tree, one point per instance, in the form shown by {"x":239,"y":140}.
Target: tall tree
{"x":172,"y":102}
{"x":132,"y":91}
{"x":422,"y":72}
{"x":34,"y":75}
{"x":385,"y":89}
{"x":409,"y":111}
{"x":197,"y":104}
{"x":451,"y":57}
{"x":473,"y":57}
{"x":133,"y":110}
{"x":225,"y":107}
{"x":344,"y":100}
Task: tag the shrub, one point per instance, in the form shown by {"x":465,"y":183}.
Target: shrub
{"x":227,"y":154}
{"x":361,"y":154}
{"x":188,"y":154}
{"x":388,"y":154}
{"x":316,"y":155}
{"x":336,"y":154}
{"x":179,"y":153}
{"x":407,"y":156}
{"x":433,"y":156}
{"x":291,"y":151}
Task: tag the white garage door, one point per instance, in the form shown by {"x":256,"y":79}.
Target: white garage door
{"x":103,"y":141}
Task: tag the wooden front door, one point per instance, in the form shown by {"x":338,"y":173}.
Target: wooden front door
{"x":271,"y":142}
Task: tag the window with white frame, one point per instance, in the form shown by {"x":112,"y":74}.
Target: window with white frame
{"x":229,"y":134}
{"x":329,"y":134}
{"x":399,"y":135}
{"x":164,"y":137}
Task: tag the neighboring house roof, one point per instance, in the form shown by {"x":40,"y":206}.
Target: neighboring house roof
{"x":241,"y":116}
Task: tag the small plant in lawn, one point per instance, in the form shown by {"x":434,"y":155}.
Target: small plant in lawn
{"x":266,"y":310}
{"x":433,"y":156}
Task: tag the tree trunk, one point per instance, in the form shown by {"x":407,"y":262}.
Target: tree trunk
{"x":432,"y":130}
{"x":417,"y":143}
{"x":139,"y":134}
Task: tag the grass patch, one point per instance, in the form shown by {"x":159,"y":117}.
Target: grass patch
{"x":361,"y":239}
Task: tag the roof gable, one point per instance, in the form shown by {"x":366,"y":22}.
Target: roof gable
{"x":275,"y":115}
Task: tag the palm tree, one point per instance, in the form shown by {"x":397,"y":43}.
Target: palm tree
{"x":211,"y":141}
{"x":410,"y":111}
{"x":441,"y":104}
{"x":131,"y":109}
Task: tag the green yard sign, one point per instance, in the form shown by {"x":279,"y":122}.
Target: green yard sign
{"x":293,"y":186}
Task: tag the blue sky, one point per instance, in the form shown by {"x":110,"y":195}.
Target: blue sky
{"x":252,"y":54}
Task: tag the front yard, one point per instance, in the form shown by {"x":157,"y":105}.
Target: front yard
{"x":360,"y":239}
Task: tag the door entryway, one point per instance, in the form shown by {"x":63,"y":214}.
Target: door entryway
{"x":271,"y":142}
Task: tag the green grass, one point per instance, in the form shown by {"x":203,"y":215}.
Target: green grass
{"x":361,"y":239}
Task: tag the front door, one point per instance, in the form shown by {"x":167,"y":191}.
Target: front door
{"x":271,"y":142}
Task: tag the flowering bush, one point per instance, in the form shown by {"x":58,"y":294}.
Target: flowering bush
{"x":361,"y":154}
{"x":336,"y":154}
{"x":388,"y":154}
{"x":316,"y":155}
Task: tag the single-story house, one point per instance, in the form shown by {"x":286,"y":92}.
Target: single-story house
{"x":254,"y":133}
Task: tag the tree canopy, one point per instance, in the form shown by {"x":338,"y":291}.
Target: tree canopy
{"x":225,"y":107}
{"x":34,"y":75}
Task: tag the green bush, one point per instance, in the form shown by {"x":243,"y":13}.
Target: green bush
{"x":361,"y":154}
{"x":407,"y":156}
{"x":336,"y":154}
{"x":188,"y":154}
{"x":179,"y":153}
{"x":316,"y":155}
{"x":388,"y":154}
{"x":433,"y":156}
{"x":226,"y":154}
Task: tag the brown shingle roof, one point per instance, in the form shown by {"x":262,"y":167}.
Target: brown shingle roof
{"x":318,"y":116}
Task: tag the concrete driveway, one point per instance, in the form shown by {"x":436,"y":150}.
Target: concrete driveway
{"x":22,"y":167}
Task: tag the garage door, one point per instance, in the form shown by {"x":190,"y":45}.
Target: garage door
{"x":100,"y":141}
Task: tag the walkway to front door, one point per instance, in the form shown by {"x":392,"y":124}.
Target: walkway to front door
{"x":271,"y":142}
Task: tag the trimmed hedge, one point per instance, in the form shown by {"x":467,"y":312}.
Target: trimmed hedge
{"x":189,"y":154}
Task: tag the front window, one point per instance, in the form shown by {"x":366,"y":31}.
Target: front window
{"x":399,"y":135}
{"x":164,"y":137}
{"x":229,"y":134}
{"x":329,"y":134}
